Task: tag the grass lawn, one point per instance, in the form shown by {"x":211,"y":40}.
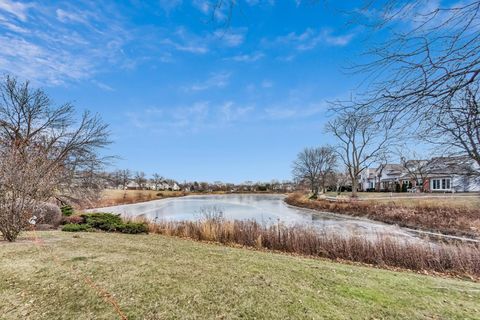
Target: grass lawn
{"x":156,"y":277}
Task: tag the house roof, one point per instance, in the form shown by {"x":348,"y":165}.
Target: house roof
{"x":451,"y":165}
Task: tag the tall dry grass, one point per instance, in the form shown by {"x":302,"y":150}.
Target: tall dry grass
{"x":459,"y":259}
{"x":113,"y":197}
{"x":444,"y":219}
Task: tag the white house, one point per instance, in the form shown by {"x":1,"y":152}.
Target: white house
{"x":453,"y":174}
{"x":441,"y":174}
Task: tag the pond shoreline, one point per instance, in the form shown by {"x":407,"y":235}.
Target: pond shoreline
{"x":370,"y":211}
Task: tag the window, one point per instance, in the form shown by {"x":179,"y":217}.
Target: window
{"x":441,"y":184}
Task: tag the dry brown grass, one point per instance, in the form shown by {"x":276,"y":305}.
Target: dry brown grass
{"x":454,"y":258}
{"x":419,"y":214}
{"x":112,"y":197}
{"x":469,"y":201}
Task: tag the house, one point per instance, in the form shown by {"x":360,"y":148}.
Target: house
{"x":132,"y":185}
{"x":368,"y":179}
{"x":391,"y":177}
{"x":386,"y":177}
{"x":440,"y":174}
{"x":453,"y":174}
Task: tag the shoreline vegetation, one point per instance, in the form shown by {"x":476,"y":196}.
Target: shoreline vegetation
{"x":457,"y":259}
{"x":446,"y":257}
{"x":456,"y":220}
{"x":436,"y":214}
{"x":114,"y":197}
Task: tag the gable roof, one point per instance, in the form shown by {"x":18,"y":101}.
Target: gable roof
{"x":451,"y":165}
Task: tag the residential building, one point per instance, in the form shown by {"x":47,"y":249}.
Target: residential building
{"x":440,"y":174}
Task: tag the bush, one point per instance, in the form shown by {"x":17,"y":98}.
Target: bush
{"x":48,"y":213}
{"x":132,"y":228}
{"x":72,"y":227}
{"x":73,"y":220}
{"x":103,"y":221}
{"x":67,"y":210}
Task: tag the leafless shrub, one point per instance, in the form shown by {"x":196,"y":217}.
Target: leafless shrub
{"x":211,"y":213}
{"x":48,"y":213}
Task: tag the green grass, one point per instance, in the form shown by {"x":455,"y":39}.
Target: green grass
{"x":156,"y":277}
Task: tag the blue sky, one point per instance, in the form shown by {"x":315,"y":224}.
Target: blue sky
{"x":185,"y":96}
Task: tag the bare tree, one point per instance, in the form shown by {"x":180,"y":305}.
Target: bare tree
{"x":415,"y":165}
{"x":313,"y":165}
{"x":140,"y":179}
{"x":457,"y":127}
{"x":125,"y":177}
{"x":362,"y":142}
{"x":431,"y":55}
{"x":44,"y":154}
{"x":157,"y":180}
{"x":382,"y":163}
{"x":341,"y":180}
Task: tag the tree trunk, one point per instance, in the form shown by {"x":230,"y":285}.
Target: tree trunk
{"x":354,"y":187}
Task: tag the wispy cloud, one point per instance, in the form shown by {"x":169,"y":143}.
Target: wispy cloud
{"x":199,"y":116}
{"x":15,"y":9}
{"x":232,"y":113}
{"x":169,"y":5}
{"x":203,"y":5}
{"x":38,"y":44}
{"x":215,"y":80}
{"x":311,"y":39}
{"x":65,"y":17}
{"x":295,"y":112}
{"x":103,"y":86}
{"x":231,"y":37}
{"x":183,"y":40}
{"x":251,"y":57}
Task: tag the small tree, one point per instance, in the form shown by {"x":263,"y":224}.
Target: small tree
{"x":313,"y":165}
{"x":417,"y":169}
{"x":44,"y":154}
{"x":157,"y":180}
{"x":340,"y":180}
{"x":140,"y":179}
{"x":362,"y":142}
{"x":125,"y":177}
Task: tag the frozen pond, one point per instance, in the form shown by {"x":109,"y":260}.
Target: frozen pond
{"x":266,"y":209}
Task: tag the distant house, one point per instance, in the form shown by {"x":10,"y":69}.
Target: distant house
{"x":368,"y":179}
{"x":384,"y":178}
{"x":391,"y":177}
{"x":167,"y":185}
{"x":441,"y":174}
{"x":132,"y":185}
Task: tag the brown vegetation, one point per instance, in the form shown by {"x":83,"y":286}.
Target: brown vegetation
{"x":111,"y":197}
{"x":454,"y":220}
{"x":459,"y":259}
